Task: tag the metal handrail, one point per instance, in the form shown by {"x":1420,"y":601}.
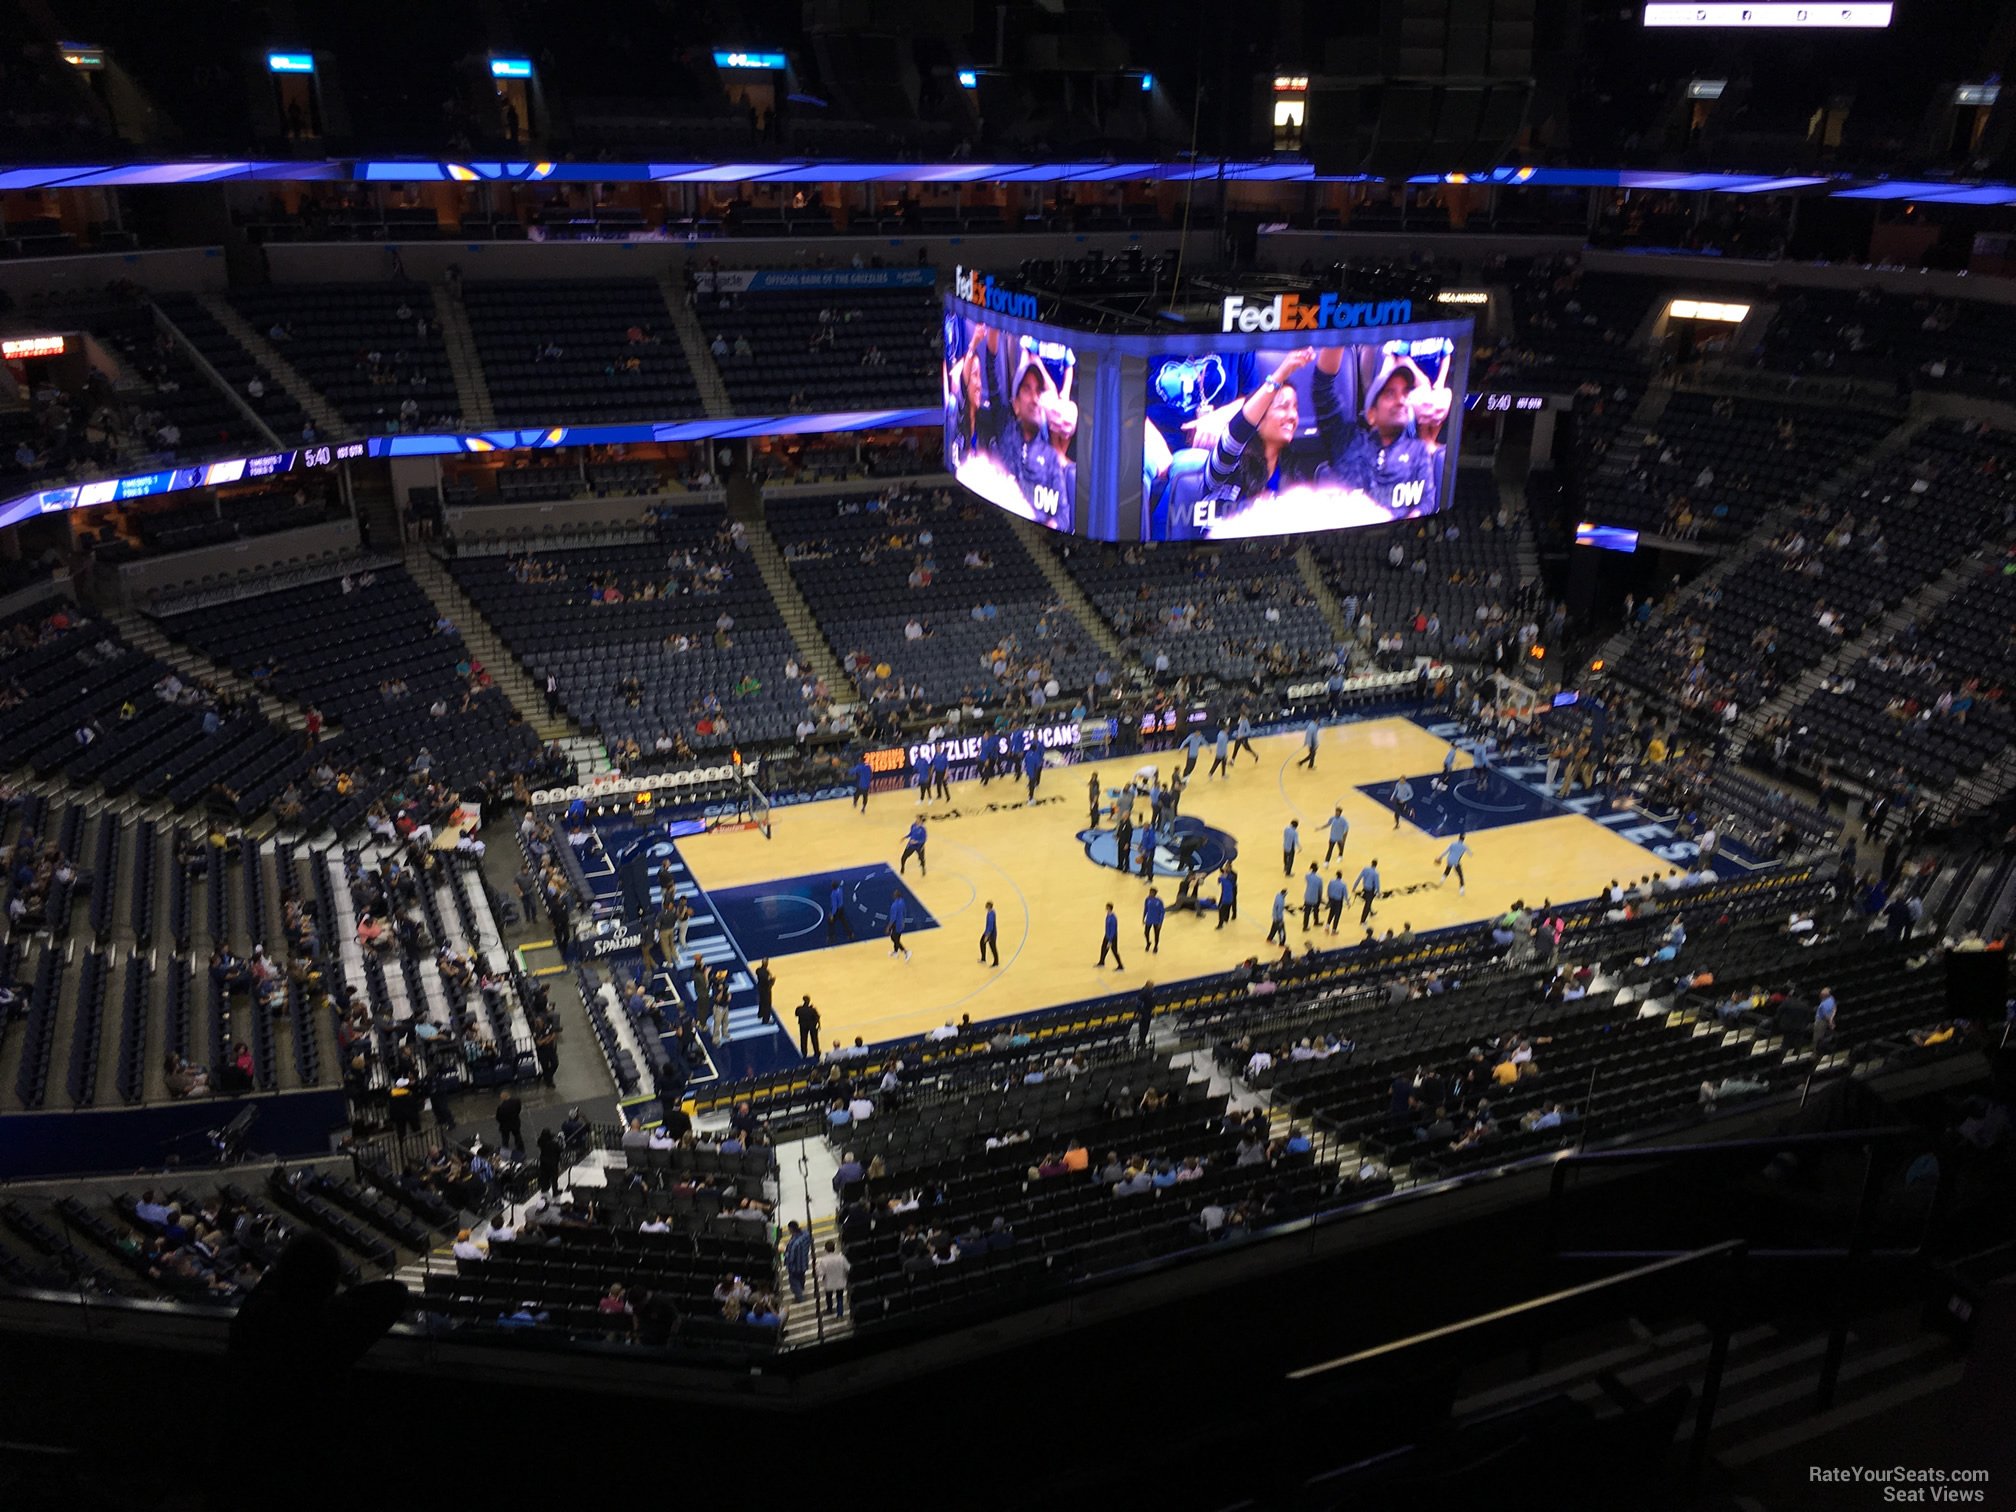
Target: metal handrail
{"x":1857,"y":1250}
{"x":1733,"y":1251}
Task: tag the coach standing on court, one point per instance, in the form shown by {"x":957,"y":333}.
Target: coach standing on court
{"x":913,"y":846}
{"x":808,"y":1028}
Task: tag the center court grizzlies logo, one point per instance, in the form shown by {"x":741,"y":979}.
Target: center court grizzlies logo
{"x":1190,"y":845}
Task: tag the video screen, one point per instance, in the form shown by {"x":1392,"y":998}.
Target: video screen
{"x":1298,"y":438}
{"x":1014,"y":414}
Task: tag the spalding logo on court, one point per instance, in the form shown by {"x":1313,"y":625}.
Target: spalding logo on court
{"x":1189,"y":845}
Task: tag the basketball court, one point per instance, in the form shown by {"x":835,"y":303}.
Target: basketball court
{"x":1049,"y":877}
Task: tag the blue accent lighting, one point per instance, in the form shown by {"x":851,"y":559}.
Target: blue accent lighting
{"x":749,"y":60}
{"x":968,"y":79}
{"x":510,"y":68}
{"x":296,"y":63}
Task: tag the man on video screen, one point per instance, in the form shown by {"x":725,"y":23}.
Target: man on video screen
{"x":1013,"y":427}
{"x":1393,"y":452}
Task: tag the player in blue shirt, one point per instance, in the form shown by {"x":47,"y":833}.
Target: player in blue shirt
{"x":1277,"y":930}
{"x":1310,"y":734}
{"x":1109,"y":940}
{"x":940,"y":763}
{"x":913,"y":846}
{"x":1228,"y":896}
{"x":1032,"y":767}
{"x":1147,"y":850}
{"x":989,"y":937}
{"x":1312,"y":897}
{"x":864,"y":777}
{"x":1242,"y":739}
{"x":1291,"y":842}
{"x":1193,"y":745}
{"x":1340,"y":830}
{"x":1334,"y":894}
{"x":898,"y":912}
{"x":1221,"y":758}
{"x":1152,"y":912}
{"x":1368,"y":888}
{"x":836,"y":912}
{"x":921,"y":768}
{"x":1452,"y":860}
{"x":1403,"y":801}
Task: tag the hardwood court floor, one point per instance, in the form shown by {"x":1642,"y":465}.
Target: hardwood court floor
{"x":1050,"y":897}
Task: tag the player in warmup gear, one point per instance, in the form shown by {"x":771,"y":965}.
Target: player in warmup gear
{"x":1032,"y":767}
{"x":1340,"y":831}
{"x":1109,"y":940}
{"x":1291,"y":842}
{"x":898,"y":912}
{"x":1368,"y":888}
{"x":863,"y":776}
{"x":913,"y":846}
{"x":1334,"y":894}
{"x":1452,"y":860}
{"x":1277,"y":930}
{"x":1310,"y":734}
{"x":1092,"y":796}
{"x":940,"y":764}
{"x":1403,"y":800}
{"x":1312,"y":897}
{"x":1152,"y":912}
{"x":990,"y":942}
{"x":1242,"y":739}
{"x":836,"y":913}
{"x":1221,"y":757}
{"x":1193,"y":744}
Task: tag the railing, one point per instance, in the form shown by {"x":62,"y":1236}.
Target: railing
{"x":1853,"y":1257}
{"x":1540,"y":1317}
